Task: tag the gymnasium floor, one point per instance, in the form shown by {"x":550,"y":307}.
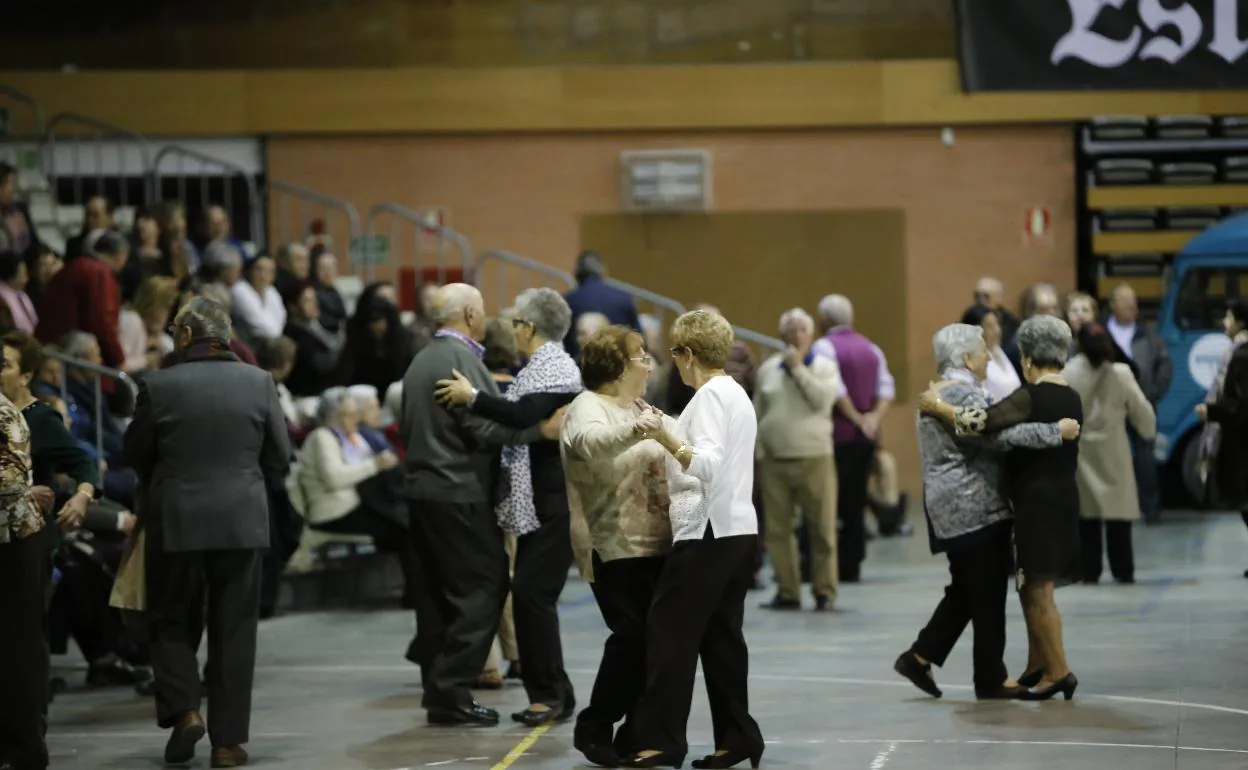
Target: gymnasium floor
{"x":1162,"y":668}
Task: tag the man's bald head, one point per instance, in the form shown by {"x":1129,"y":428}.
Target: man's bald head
{"x":588,"y":324}
{"x":989,"y":292}
{"x":459,"y":306}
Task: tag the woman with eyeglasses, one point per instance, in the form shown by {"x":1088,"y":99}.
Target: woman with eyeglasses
{"x":534,"y":504}
{"x":621,"y":535}
{"x":699,"y":603}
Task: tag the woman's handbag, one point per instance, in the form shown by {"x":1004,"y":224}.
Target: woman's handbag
{"x":130,"y":588}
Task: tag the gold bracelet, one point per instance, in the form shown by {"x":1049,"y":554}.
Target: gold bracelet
{"x":683,"y":454}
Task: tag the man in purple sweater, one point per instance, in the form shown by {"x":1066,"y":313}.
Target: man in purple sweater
{"x":869,"y":391}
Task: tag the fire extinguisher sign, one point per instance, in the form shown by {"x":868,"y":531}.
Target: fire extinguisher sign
{"x":1037,"y":226}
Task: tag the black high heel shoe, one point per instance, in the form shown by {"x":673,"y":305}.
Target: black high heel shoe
{"x":730,"y":758}
{"x":662,"y":759}
{"x":1066,"y":686}
{"x":1031,"y":678}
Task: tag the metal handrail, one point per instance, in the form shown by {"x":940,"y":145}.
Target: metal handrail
{"x":416,"y":218}
{"x":518,"y":261}
{"x":328,"y":201}
{"x":99,"y":371}
{"x":758,"y":339}
{"x":24,"y":98}
{"x":253,"y":190}
{"x":108,"y":129}
{"x":646,"y":295}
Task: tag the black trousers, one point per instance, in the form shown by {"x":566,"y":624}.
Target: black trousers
{"x":178,"y":587}
{"x":25,"y":570}
{"x":853,"y":474}
{"x":543,"y":559}
{"x":465,"y":584}
{"x":624,"y":590}
{"x":698,"y":609}
{"x":976,"y":594}
{"x":1117,"y":545}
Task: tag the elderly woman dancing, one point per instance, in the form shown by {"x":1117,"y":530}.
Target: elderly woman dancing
{"x":969,"y":520}
{"x":535,"y":504}
{"x":1041,"y":486}
{"x":700,"y":600}
{"x":617,"y":490}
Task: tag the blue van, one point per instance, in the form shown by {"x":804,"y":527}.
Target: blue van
{"x":1210,"y":270}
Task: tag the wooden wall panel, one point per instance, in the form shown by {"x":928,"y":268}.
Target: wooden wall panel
{"x":425,"y":100}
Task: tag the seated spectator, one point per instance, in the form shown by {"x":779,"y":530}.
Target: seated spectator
{"x":374,"y":424}
{"x":333,"y":308}
{"x":80,"y":384}
{"x":20,"y":311}
{"x":316,"y":350}
{"x":222,"y":264}
{"x":342,"y":484}
{"x":17,"y":232}
{"x":258,"y":310}
{"x":146,"y":257}
{"x":179,"y":259}
{"x":41,"y":265}
{"x":142,"y":325}
{"x":220,"y":232}
{"x":378,"y":349}
{"x":277,"y":357}
{"x":293,"y":265}
{"x":97,"y":215}
{"x":85,"y":296}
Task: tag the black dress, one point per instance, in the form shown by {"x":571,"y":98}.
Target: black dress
{"x":1040,"y":483}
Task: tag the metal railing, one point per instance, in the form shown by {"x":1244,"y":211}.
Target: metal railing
{"x":293,"y":209}
{"x":31,"y":105}
{"x":762,"y":340}
{"x":508,"y":263}
{"x":110,"y":147}
{"x":98,"y":372}
{"x":421,"y":229}
{"x":212,"y":171}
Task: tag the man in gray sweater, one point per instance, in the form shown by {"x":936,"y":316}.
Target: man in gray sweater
{"x":452,"y":474}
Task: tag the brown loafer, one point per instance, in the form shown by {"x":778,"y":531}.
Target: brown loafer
{"x":228,"y":756}
{"x":186,"y":733}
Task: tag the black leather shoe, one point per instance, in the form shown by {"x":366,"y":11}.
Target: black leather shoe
{"x":538,"y":717}
{"x":1031,"y":678}
{"x":1066,"y":686}
{"x":919,"y":675}
{"x":781,"y":603}
{"x":471,"y":714}
{"x":1002,"y":693}
{"x":662,"y":759}
{"x":599,"y":754}
{"x":728,"y":759}
{"x":115,"y":671}
{"x":822,"y":603}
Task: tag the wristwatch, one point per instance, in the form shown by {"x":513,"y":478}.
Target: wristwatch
{"x":473,"y":398}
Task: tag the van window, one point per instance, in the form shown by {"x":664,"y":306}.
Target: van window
{"x":1204,"y":293}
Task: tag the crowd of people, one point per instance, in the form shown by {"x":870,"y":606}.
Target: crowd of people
{"x":491,"y":455}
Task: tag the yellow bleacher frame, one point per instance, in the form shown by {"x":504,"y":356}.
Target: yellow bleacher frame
{"x":1146,"y":242}
{"x":1167,"y":196}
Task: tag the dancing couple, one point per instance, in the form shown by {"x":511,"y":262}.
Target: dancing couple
{"x":663,"y":527}
{"x":992,"y":511}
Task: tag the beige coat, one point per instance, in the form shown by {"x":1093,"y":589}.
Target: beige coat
{"x":1111,"y":398}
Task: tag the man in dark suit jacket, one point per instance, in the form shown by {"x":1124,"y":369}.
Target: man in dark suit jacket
{"x":452,"y":472}
{"x":207,"y":435}
{"x":594,"y":295}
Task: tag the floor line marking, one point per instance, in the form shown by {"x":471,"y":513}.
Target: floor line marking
{"x":881,"y":759}
{"x":522,"y":747}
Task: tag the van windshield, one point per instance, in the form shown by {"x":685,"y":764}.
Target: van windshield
{"x":1204,"y":293}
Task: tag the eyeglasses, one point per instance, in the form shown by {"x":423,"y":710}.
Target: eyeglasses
{"x":516,"y":323}
{"x":677,"y":350}
{"x":646,"y":360}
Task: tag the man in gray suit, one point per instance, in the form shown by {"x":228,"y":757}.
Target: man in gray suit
{"x":207,"y":433}
{"x":452,"y":472}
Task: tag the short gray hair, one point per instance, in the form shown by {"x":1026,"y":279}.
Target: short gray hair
{"x":217,"y":292}
{"x":206,"y":318}
{"x":219,"y":255}
{"x":796,"y":316}
{"x":952,"y":344}
{"x":76,"y":343}
{"x":1045,"y":340}
{"x":546,"y":310}
{"x":452,"y":300}
{"x":836,"y":310}
{"x":362,"y":393}
{"x":330,"y":404}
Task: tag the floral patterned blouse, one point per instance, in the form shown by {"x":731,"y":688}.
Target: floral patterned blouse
{"x":617,"y":485}
{"x":19,"y":515}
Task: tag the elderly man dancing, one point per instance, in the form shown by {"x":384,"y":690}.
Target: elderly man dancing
{"x":969,"y":520}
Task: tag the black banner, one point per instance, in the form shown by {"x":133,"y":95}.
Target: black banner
{"x":1074,"y":45}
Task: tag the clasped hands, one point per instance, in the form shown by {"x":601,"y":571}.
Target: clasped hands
{"x":649,"y":424}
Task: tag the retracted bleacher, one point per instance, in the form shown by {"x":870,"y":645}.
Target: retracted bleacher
{"x":1147,"y":186}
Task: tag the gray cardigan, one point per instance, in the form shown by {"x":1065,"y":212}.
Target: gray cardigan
{"x":452,"y":455}
{"x":961,"y":474}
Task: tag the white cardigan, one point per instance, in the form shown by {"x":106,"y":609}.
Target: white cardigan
{"x":326,"y":482}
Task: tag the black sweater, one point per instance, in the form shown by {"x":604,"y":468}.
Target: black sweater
{"x":545,"y":465}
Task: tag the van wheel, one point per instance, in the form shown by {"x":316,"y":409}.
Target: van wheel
{"x":1197,"y":494}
